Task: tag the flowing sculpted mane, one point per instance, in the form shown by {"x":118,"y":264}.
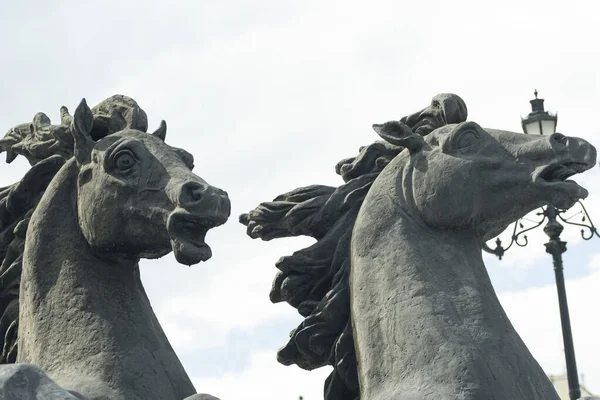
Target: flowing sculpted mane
{"x":46,"y":147}
{"x":315,"y":280}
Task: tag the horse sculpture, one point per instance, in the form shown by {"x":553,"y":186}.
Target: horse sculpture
{"x":101,"y":194}
{"x":395,"y":293}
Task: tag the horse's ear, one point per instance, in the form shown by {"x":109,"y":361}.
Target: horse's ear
{"x":81,"y":127}
{"x":398,"y":133}
{"x":161,"y":132}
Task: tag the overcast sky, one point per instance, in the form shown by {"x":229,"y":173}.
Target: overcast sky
{"x":269,"y":95}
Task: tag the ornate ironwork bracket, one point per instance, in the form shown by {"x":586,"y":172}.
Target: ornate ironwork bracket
{"x":519,"y":231}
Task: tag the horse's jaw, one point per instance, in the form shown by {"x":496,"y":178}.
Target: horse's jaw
{"x":187,"y":234}
{"x":187,"y":230}
{"x":559,"y":191}
{"x":549,"y":184}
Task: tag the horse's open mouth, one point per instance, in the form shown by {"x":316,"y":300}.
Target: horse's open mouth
{"x":562,"y":171}
{"x":555,"y":176}
{"x":425,"y":125}
{"x":187,"y":233}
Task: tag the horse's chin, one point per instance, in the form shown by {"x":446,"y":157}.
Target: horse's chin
{"x":187,"y":233}
{"x":189,"y":252}
{"x":555,"y":187}
{"x":563,"y":194}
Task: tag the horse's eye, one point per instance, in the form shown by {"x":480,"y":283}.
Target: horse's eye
{"x":467,"y":139}
{"x":124,"y":160}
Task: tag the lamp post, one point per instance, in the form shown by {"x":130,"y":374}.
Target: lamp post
{"x":540,"y":122}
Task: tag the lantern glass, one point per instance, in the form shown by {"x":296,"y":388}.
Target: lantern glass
{"x":548,"y":127}
{"x":533,"y":128}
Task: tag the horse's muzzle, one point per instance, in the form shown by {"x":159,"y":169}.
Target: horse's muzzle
{"x":201,"y":207}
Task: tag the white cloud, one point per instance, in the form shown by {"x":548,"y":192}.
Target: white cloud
{"x":594,"y":262}
{"x":517,"y":258}
{"x":269,"y":95}
{"x":237,"y":297}
{"x":534,"y":314}
{"x":265,"y":379}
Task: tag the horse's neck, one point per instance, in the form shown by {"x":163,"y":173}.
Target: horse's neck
{"x":86,"y":320}
{"x":410,"y":263}
{"x":426,"y":319}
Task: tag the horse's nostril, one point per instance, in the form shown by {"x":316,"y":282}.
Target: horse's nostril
{"x":222,"y":193}
{"x":559,"y":138}
{"x":196,"y":194}
{"x":191,"y":193}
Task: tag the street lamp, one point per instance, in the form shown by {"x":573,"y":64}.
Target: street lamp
{"x":540,"y":122}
